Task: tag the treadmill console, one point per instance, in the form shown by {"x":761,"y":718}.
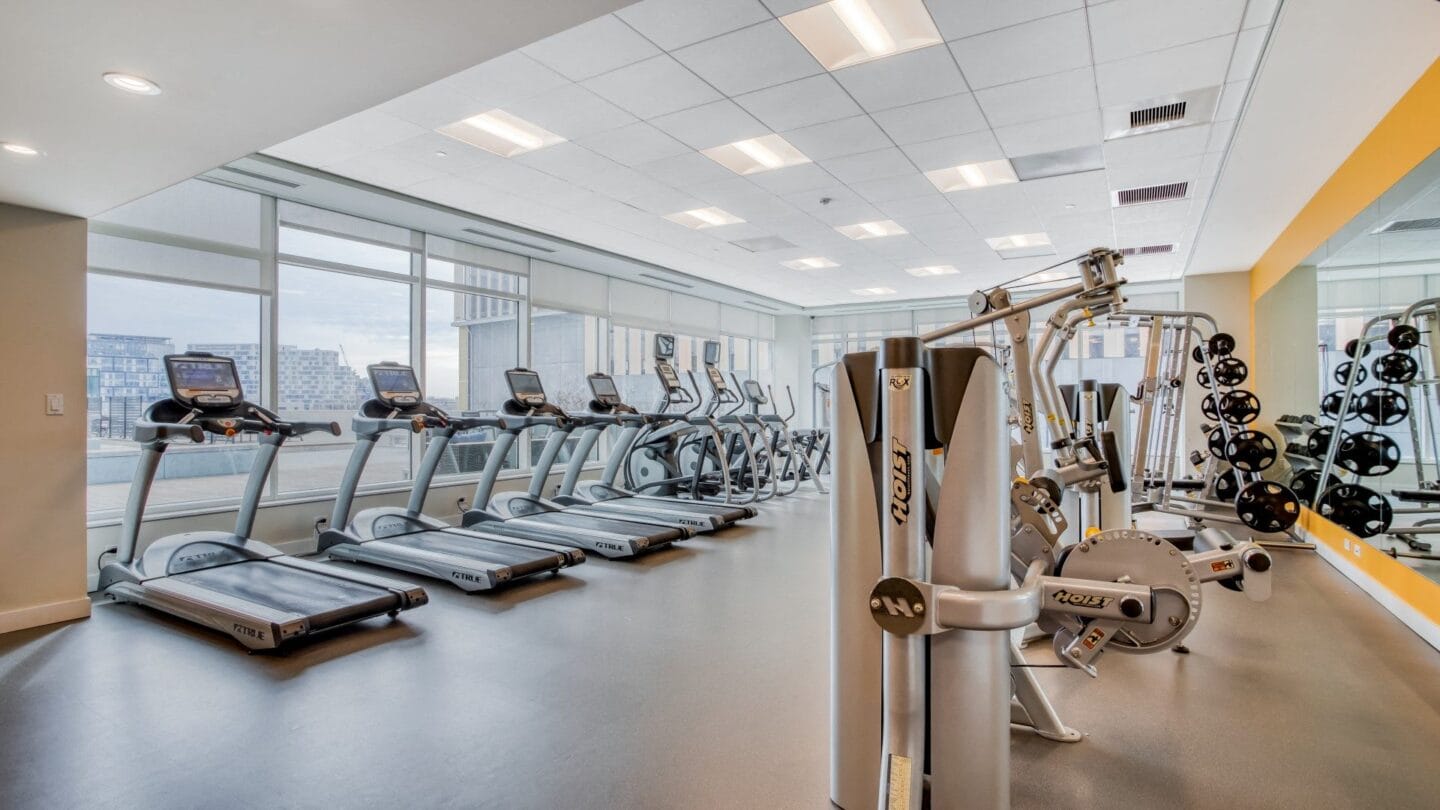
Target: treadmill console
{"x":525,"y":387}
{"x":203,"y":380}
{"x":753,"y":392}
{"x":664,"y":346}
{"x":603,"y":387}
{"x":668,"y":377}
{"x":394,"y":384}
{"x":712,"y":352}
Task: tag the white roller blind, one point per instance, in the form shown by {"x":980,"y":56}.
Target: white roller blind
{"x":737,"y":321}
{"x":638,"y":304}
{"x":767,"y":327}
{"x":560,"y":287}
{"x":694,"y":316}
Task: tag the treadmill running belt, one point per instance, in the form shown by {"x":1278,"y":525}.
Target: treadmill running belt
{"x":325,"y":601}
{"x":522,"y":560}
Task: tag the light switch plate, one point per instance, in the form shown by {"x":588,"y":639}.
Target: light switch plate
{"x":54,"y":404}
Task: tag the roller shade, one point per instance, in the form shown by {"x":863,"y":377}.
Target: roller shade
{"x":694,"y":316}
{"x":560,"y":287}
{"x":767,"y":327}
{"x":741,"y":322}
{"x":638,"y":304}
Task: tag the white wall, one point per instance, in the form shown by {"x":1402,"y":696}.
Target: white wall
{"x":1225,"y":297}
{"x":42,"y":477}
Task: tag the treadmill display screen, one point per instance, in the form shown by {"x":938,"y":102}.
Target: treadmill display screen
{"x":712,"y":352}
{"x":717,"y":381}
{"x":604,"y":388}
{"x":664,"y":346}
{"x":396,"y":384}
{"x":525,"y":387}
{"x":752,"y":390}
{"x":668,"y":375}
{"x":203,"y":380}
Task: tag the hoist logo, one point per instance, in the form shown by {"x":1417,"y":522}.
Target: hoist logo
{"x":900,"y":481}
{"x":1083,"y":599}
{"x":1027,"y":417}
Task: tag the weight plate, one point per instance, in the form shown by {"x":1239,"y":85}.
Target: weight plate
{"x":1395,"y":368}
{"x":1251,"y":451}
{"x":1226,"y":488}
{"x":1330,"y":406}
{"x":1197,"y":355}
{"x":1382,"y":406}
{"x":1216,"y":442}
{"x":1144,"y":559}
{"x":1221,"y":344}
{"x":1403,"y":336}
{"x":1266,"y":506}
{"x":1305,"y":484}
{"x":1231,"y":371}
{"x":1368,"y":453}
{"x":1350,"y":348}
{"x":1342,"y":373}
{"x":1207,"y":407}
{"x":1239,"y":407}
{"x":1363,"y":511}
{"x":1318,"y":442}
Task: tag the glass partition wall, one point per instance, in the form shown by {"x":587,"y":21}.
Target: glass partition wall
{"x":304,"y":299}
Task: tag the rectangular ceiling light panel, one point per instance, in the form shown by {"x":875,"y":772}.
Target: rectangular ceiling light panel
{"x":1021,"y":245}
{"x":501,"y":133}
{"x":756,"y":155}
{"x":842,"y":33}
{"x":973,"y":175}
{"x":932,"y":270}
{"x":811,"y":263}
{"x":698,"y":218}
{"x":762,"y":244}
{"x":872,"y":230}
{"x":873,"y":291}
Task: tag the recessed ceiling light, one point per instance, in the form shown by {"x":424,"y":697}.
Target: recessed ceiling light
{"x":138,"y":85}
{"x":872,"y":230}
{"x":754,"y":155}
{"x":873,"y":291}
{"x":973,"y":175}
{"x":19,"y":149}
{"x":1018,"y":240}
{"x":932,"y":270}
{"x":811,"y":263}
{"x":698,"y":218}
{"x":501,"y":133}
{"x":842,"y":33}
{"x":440,"y":153}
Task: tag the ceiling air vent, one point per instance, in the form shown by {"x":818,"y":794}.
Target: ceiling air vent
{"x":1151,"y":194}
{"x":1431,"y":224}
{"x":508,"y":240}
{"x":1159,"y":114}
{"x":670,"y":281}
{"x":259,"y":176}
{"x":1148,"y":250}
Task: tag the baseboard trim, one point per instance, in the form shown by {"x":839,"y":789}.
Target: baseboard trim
{"x":50,"y":613}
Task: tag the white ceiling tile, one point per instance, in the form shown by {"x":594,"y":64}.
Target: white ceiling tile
{"x":750,"y":59}
{"x":957,"y":19}
{"x":1247,"y":54}
{"x":634,"y":144}
{"x":886,"y":189}
{"x":1094,"y":227}
{"x":955,"y":150}
{"x":889,"y":162}
{"x":930,"y":203}
{"x":656,"y":86}
{"x":571,"y":112}
{"x":1045,"y":97}
{"x":592,"y":48}
{"x":712,"y":124}
{"x":1210,"y":167}
{"x":433,"y":106}
{"x":1037,"y":48}
{"x":836,"y":215}
{"x":1232,"y":98}
{"x":464,"y":194}
{"x":686,"y":170}
{"x":793,"y":179}
{"x":674,"y":24}
{"x":319,"y":148}
{"x":568,"y":161}
{"x":1051,"y":134}
{"x":1259,"y":12}
{"x":1154,"y":147}
{"x":383,"y":170}
{"x":502,"y":80}
{"x":1128,"y":28}
{"x":838,"y":195}
{"x":902,"y":79}
{"x":1130,"y":215}
{"x":1187,"y":67}
{"x":993,"y":207}
{"x":1150,"y":173}
{"x":426,"y":148}
{"x":1149,"y":233}
{"x":1070,"y":193}
{"x":928,"y":120}
{"x":944,"y":222}
{"x":848,"y":136}
{"x":374,"y":129}
{"x":801,"y":103}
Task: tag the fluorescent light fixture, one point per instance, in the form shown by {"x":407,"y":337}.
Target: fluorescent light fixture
{"x":138,"y":85}
{"x":19,"y":149}
{"x":973,"y":175}
{"x":872,"y":230}
{"x":811,"y":263}
{"x":698,"y":218}
{"x":932,"y":270}
{"x":1018,"y":241}
{"x":763,"y":154}
{"x":501,"y":133}
{"x":842,"y":33}
{"x":873,"y":291}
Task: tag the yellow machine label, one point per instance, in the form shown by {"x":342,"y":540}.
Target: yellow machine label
{"x":898,"y":796}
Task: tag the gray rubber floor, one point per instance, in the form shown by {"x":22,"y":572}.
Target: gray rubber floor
{"x":693,"y":679}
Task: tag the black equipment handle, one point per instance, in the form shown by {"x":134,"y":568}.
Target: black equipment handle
{"x":1110,"y":447}
{"x":167,"y":431}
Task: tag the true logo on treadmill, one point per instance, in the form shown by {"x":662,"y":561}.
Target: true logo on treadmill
{"x":1088,"y":600}
{"x":900,"y":481}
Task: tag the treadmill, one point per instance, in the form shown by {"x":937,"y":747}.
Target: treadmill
{"x":608,"y":408}
{"x":528,"y":514}
{"x":406,"y":539}
{"x":229,"y":581}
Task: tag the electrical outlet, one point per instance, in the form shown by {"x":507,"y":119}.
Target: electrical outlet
{"x":54,"y":404}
